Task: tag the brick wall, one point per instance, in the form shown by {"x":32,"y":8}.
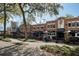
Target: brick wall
{"x":38,"y":27}
{"x":61,"y":22}
{"x":73,"y":20}
{"x":51,"y":25}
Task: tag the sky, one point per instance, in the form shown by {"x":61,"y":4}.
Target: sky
{"x":68,"y":8}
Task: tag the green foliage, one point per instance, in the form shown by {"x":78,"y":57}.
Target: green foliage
{"x":1,"y":37}
{"x":11,"y":9}
{"x":75,"y":52}
{"x":65,"y":50}
{"x":18,"y":43}
{"x":69,"y":16}
{"x":40,"y":9}
{"x":57,"y":50}
{"x":52,"y":49}
{"x":6,"y":40}
{"x":31,"y":40}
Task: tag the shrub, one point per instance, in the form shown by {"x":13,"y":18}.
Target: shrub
{"x":1,"y":37}
{"x":42,"y":47}
{"x":6,"y":40}
{"x":52,"y":49}
{"x":18,"y":43}
{"x":57,"y":50}
{"x":65,"y":50}
{"x":31,"y":40}
{"x":75,"y":52}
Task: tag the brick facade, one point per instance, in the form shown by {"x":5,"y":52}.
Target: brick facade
{"x":38,"y":27}
{"x":60,"y":23}
{"x":72,"y":24}
{"x":51,"y":26}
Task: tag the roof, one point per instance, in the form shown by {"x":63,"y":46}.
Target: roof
{"x":51,"y":21}
{"x":38,"y":24}
{"x":67,"y":18}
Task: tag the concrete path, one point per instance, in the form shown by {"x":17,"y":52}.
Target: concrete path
{"x":4,"y":44}
{"x":9,"y":49}
{"x":26,"y":49}
{"x":38,"y":43}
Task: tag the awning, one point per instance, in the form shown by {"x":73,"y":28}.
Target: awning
{"x":61,"y":30}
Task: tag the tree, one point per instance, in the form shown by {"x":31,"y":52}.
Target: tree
{"x":24,"y":20}
{"x":7,"y":10}
{"x":5,"y":20}
{"x":34,"y":9}
{"x":69,"y":16}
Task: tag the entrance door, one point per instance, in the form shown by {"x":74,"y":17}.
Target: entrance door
{"x":60,"y":35}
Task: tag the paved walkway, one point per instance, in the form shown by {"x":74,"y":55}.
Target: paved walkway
{"x":4,"y":44}
{"x":38,"y":43}
{"x":26,"y":49}
{"x":9,"y":49}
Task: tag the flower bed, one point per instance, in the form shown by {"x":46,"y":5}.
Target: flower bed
{"x":62,"y":51}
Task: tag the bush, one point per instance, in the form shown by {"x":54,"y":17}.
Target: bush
{"x":18,"y":43}
{"x":1,"y":37}
{"x":52,"y":49}
{"x":65,"y":50}
{"x":57,"y":50}
{"x":43,"y":47}
{"x":75,"y":52}
{"x":31,"y":40}
{"x":6,"y":40}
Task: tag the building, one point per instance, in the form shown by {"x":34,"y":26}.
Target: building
{"x":72,"y":24}
{"x":68,"y":25}
{"x":8,"y":31}
{"x":60,"y":26}
{"x":51,"y":26}
{"x":38,"y":27}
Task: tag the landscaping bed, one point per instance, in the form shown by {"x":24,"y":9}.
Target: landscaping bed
{"x":31,"y":40}
{"x":61,"y":51}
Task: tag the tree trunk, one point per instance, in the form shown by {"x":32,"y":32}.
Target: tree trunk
{"x":24,"y":20}
{"x":4,"y":20}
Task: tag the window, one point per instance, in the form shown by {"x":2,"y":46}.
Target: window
{"x":53,"y":33}
{"x":53,"y":26}
{"x":49,"y":26}
{"x":77,"y":34}
{"x":69,"y":24}
{"x":42,"y":27}
{"x":33,"y":28}
{"x":37,"y":27}
{"x":77,"y":23}
{"x":73,"y":24}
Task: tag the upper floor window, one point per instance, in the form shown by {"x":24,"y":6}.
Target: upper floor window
{"x":34,"y":28}
{"x":42,"y":27}
{"x":73,"y":24}
{"x":53,"y":26}
{"x":37,"y":27}
{"x":69,"y":24}
{"x":49,"y":26}
{"x":77,"y":23}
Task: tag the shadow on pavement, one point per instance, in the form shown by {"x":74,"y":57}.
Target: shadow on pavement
{"x":9,"y":50}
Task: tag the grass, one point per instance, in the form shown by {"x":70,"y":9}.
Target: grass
{"x":31,"y":40}
{"x":6,"y":39}
{"x":18,"y":43}
{"x":1,"y":37}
